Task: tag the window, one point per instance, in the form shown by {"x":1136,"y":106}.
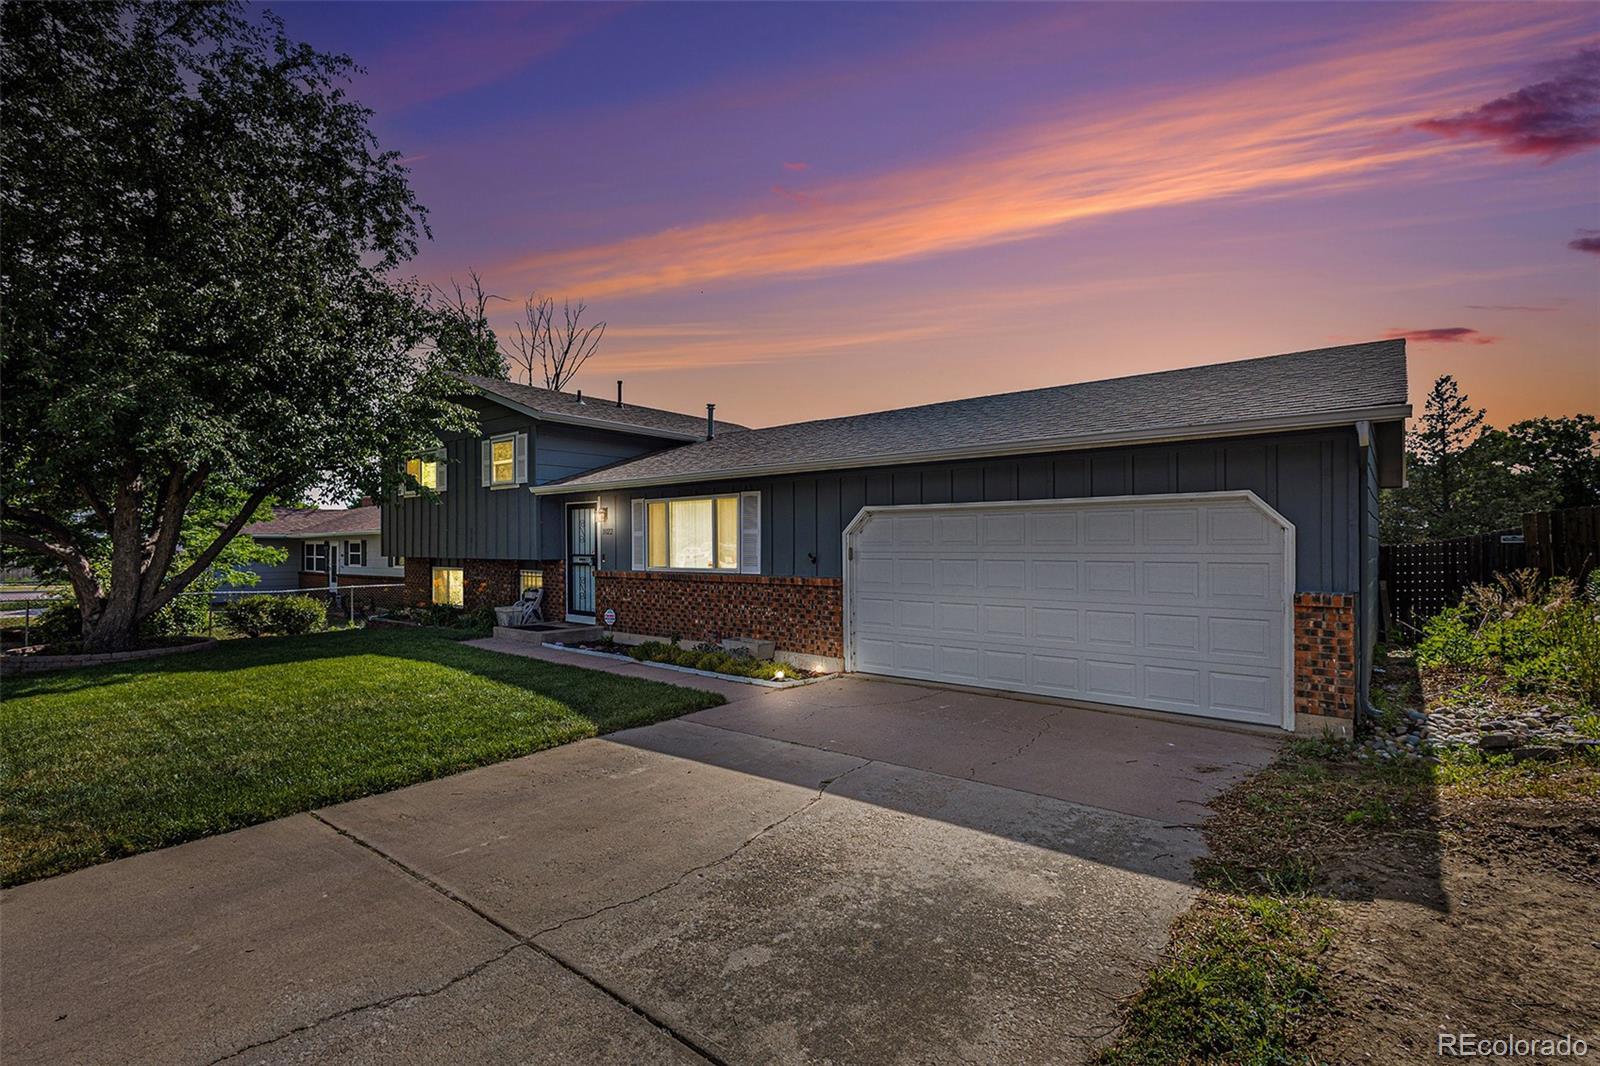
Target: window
{"x":427,"y":472}
{"x":447,"y":585}
{"x":694,"y":534}
{"x":314,"y":556}
{"x":529,"y":579}
{"x":355,"y":553}
{"x":503,"y":461}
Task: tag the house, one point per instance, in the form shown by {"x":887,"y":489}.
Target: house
{"x":1199,"y":541}
{"x":323,"y":546}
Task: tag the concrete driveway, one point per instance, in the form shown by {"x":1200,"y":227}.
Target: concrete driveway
{"x":852,"y":871}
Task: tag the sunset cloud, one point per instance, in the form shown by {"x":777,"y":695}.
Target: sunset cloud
{"x":1552,"y":118}
{"x":1330,"y":120}
{"x":1587,"y":240}
{"x":1508,"y":307}
{"x":797,"y":166}
{"x":1441,"y":335}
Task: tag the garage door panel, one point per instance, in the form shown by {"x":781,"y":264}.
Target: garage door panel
{"x":1176,"y":606}
{"x":916,"y":614}
{"x":1052,"y":529}
{"x":1173,"y":527}
{"x":957,"y":575}
{"x":1114,"y":576}
{"x":1004,"y":620}
{"x":1048,"y":576}
{"x":1110,"y":627}
{"x":1054,"y":624}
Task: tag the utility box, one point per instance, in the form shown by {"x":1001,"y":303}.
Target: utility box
{"x":755,"y":649}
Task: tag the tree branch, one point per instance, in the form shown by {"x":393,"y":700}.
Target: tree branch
{"x":181,"y":580}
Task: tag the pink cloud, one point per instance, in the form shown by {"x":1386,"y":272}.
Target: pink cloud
{"x":1441,"y":335}
{"x":796,"y":166}
{"x":1553,"y":118}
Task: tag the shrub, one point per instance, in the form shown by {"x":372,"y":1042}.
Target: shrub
{"x":293,"y":615}
{"x":714,"y":659}
{"x":257,"y":616}
{"x":180,"y":617}
{"x":1535,"y":638}
{"x":58,"y":623}
{"x":247,"y":615}
{"x":1447,"y":640}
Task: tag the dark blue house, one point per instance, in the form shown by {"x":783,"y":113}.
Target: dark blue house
{"x":1199,"y":541}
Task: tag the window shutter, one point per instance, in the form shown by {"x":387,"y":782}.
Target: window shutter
{"x":750,"y":532}
{"x":486,"y":461}
{"x":444,"y":468}
{"x":640,"y":542}
{"x":522,"y":458}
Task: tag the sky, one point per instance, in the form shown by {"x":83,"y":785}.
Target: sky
{"x":799,"y":211}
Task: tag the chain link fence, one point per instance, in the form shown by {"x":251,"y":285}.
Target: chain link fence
{"x":346,"y":605}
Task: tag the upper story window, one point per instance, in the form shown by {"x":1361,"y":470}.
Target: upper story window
{"x":505,"y":460}
{"x":428,"y":471}
{"x":355,"y":553}
{"x":698,"y":533}
{"x":314,"y":556}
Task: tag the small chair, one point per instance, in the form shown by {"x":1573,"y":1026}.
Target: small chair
{"x":532,"y":606}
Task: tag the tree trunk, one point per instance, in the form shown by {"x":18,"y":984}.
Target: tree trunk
{"x":115,"y":629}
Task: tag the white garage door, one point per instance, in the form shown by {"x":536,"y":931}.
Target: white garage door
{"x":1172,"y":603}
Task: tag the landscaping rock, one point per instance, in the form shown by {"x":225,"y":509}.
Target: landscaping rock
{"x":1536,"y":753}
{"x":1498,"y":740}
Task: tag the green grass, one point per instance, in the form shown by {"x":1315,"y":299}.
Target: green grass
{"x":101,"y":763}
{"x":1243,"y":974}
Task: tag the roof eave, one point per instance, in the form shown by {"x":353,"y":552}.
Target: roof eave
{"x":578,"y":420}
{"x":313,"y":535}
{"x":1080,"y":442}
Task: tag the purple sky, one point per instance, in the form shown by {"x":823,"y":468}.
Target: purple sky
{"x":799,"y":211}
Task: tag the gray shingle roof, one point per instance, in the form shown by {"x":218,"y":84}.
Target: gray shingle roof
{"x":595,"y":410}
{"x":316,"y":522}
{"x":1309,"y":388}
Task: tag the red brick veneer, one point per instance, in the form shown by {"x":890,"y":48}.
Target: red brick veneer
{"x":800,"y":614}
{"x":554,"y":604}
{"x":1325,"y":662}
{"x":418,"y":582}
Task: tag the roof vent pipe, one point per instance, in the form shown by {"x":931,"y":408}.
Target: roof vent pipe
{"x":580,"y":395}
{"x":711,"y":420}
{"x":619,"y":392}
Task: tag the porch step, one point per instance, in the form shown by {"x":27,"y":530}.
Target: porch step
{"x":547,"y":632}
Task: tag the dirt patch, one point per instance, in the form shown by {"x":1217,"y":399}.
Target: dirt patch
{"x":1506,"y":942}
{"x":1454,"y":891}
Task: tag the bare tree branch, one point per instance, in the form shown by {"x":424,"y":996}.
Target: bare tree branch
{"x":560,"y":348}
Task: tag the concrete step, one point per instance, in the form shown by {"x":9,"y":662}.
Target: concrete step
{"x":549,"y":632}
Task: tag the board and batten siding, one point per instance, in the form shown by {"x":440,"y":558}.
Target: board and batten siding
{"x":469,"y":521}
{"x":1314,"y":479}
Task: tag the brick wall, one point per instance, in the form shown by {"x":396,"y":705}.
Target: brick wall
{"x":489,"y":583}
{"x":1325,"y":663}
{"x":554,"y":604}
{"x":418,"y":582}
{"x":801,"y":614}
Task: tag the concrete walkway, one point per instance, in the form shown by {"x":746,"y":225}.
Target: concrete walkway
{"x":853,"y":871}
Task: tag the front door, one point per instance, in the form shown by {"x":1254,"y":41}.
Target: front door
{"x":583,"y":542}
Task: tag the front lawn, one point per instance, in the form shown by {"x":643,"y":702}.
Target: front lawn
{"x":101,"y":763}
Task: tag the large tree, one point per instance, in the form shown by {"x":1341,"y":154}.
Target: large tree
{"x":1466,"y":477}
{"x":197,"y":293}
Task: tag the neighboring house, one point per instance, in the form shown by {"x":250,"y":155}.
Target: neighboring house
{"x":340,"y":544}
{"x":1199,"y":541}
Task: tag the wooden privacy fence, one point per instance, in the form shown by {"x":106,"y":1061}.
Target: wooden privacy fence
{"x":1420,"y":580}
